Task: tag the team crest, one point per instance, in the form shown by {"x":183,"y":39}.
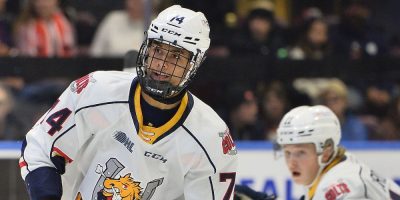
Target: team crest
{"x":111,"y":185}
{"x":337,"y":191}
{"x":81,"y":83}
{"x":228,"y":146}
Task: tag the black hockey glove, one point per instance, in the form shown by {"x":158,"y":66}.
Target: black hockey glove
{"x":244,"y":192}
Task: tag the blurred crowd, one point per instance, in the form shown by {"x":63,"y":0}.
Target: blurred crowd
{"x":372,"y":114}
{"x":68,"y":28}
{"x":274,"y":29}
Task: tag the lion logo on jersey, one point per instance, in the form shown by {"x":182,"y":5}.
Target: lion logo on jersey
{"x":124,"y":188}
{"x":109,"y":187}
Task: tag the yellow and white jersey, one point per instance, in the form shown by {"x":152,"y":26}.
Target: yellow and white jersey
{"x":351,"y":180}
{"x":96,"y":126}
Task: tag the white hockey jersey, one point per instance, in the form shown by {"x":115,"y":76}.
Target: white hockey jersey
{"x":97,"y":127}
{"x":351,"y":180}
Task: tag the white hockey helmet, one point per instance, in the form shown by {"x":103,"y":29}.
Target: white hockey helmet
{"x":309,"y":124}
{"x":181,"y":28}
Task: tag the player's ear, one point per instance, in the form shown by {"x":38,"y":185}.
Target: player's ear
{"x":328,"y":151}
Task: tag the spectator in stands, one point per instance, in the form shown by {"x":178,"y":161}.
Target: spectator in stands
{"x":335,"y":97}
{"x":376,"y":106}
{"x":260,"y":35}
{"x":389,"y":128}
{"x":120,"y":31}
{"x":394,"y":46}
{"x":5,"y":29}
{"x":355,"y":37}
{"x":42,"y":30}
{"x":274,"y":105}
{"x":377,"y":99}
{"x":243,"y":114}
{"x":313,"y":42}
{"x":11,"y":127}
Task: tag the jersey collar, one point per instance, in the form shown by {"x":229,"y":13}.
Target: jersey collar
{"x":150,"y":134}
{"x":339,"y":158}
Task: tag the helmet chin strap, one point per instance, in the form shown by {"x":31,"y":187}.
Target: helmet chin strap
{"x":322,"y":165}
{"x":167,"y":100}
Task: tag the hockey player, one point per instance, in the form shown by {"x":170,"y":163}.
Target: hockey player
{"x":115,"y":135}
{"x":309,"y":138}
